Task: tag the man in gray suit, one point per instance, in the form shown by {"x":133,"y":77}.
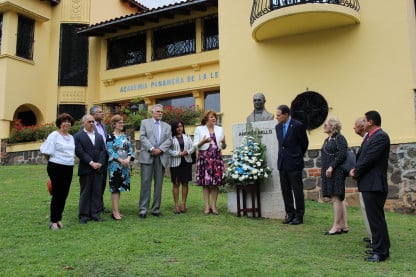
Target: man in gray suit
{"x":155,"y":140}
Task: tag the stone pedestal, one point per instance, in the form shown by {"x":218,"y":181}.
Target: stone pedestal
{"x":271,"y":199}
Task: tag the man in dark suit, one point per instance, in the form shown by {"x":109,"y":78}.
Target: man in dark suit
{"x":91,"y":151}
{"x":371,"y":175}
{"x":100,"y":128}
{"x":293,"y":143}
{"x":155,"y":140}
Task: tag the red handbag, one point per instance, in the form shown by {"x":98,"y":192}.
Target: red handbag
{"x":49,"y":185}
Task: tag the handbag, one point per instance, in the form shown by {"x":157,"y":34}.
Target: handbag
{"x":49,"y":186}
{"x":348,"y":163}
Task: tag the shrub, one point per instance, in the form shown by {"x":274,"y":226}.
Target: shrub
{"x":189,"y":115}
{"x":21,"y":133}
{"x":41,"y":132}
{"x":135,"y":118}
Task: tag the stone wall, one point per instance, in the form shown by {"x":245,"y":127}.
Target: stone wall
{"x":401,"y":175}
{"x":401,"y":178}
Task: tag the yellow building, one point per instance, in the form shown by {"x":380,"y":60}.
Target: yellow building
{"x":322,"y":58}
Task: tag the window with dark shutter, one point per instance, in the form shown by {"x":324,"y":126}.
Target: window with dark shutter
{"x":210,"y":33}
{"x":126,"y":51}
{"x":73,"y":56}
{"x":25,"y":37}
{"x":174,"y":40}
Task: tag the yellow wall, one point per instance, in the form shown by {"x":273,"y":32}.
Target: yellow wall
{"x":32,"y":85}
{"x":23,"y":81}
{"x":358,"y":68}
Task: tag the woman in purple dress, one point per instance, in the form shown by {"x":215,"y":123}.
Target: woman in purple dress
{"x":210,"y":140}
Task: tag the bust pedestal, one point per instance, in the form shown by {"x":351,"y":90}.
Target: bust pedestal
{"x":271,"y":199}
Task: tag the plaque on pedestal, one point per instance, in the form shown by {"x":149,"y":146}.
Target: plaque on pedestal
{"x":271,"y":199}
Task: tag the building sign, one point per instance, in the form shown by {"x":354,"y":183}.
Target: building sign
{"x":165,"y":83}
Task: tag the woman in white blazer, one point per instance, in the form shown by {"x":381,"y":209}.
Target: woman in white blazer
{"x":210,"y":140}
{"x":180,"y":163}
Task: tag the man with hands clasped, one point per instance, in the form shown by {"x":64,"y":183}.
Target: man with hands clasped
{"x":155,"y":139}
{"x":91,"y":151}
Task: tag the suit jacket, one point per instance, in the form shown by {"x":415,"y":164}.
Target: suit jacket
{"x":175,"y":148}
{"x":148,"y":141}
{"x":293,"y":147}
{"x":202,"y":131}
{"x":372,"y":163}
{"x":87,"y":152}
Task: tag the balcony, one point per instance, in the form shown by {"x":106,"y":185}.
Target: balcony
{"x":279,"y":18}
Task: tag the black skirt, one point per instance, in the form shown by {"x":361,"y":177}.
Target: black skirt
{"x":181,"y":173}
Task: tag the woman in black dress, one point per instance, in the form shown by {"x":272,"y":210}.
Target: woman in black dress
{"x":180,"y":163}
{"x":333,"y":153}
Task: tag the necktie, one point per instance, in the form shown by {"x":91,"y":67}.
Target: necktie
{"x":284,"y":130}
{"x":157,"y":132}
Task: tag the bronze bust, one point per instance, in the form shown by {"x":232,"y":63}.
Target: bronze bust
{"x":259,"y":113}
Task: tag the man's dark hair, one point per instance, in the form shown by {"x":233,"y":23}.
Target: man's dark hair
{"x":374,"y":116}
{"x":284,"y":108}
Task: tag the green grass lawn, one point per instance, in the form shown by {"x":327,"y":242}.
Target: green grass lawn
{"x":190,"y":244}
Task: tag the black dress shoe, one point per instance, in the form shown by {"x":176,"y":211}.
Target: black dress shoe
{"x":83,"y":220}
{"x":296,"y":221}
{"x":375,"y":258}
{"x":157,"y":214}
{"x":367,"y":240}
{"x":288,"y":220}
{"x":142,"y":216}
{"x":97,"y":219}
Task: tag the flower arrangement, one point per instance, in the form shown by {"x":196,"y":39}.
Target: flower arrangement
{"x":190,"y":115}
{"x":248,"y":163}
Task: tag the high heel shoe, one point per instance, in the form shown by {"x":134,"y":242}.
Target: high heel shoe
{"x":337,"y":232}
{"x":345,"y":230}
{"x":215,"y":212}
{"x":115,"y":218}
{"x":207,"y":211}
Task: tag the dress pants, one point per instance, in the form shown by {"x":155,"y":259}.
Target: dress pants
{"x":104,"y":169}
{"x":367,"y":225}
{"x":61,"y":177}
{"x":90,"y":195}
{"x":156,"y":171}
{"x":374,"y":205}
{"x":292,"y":191}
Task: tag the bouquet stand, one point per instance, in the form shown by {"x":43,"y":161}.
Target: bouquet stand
{"x":254,"y":190}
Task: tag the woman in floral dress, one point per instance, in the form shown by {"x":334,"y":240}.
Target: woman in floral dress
{"x":120,"y":152}
{"x":209,"y":139}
